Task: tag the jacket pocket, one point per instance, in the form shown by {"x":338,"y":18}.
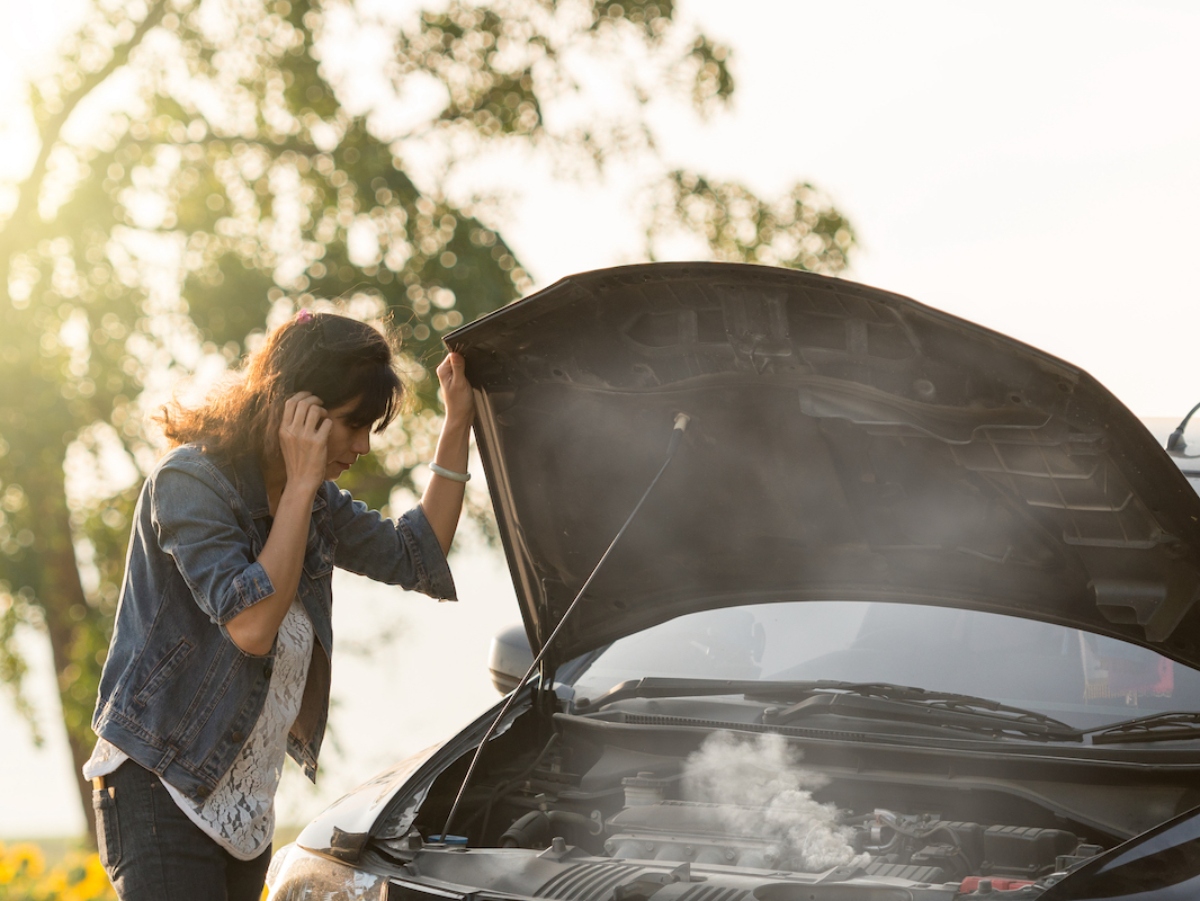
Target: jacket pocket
{"x":108,"y":830}
{"x":163,"y":671}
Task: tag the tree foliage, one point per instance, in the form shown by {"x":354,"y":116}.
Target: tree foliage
{"x":206,"y":167}
{"x":800,"y":230}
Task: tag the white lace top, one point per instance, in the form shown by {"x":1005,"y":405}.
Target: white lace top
{"x":240,"y":813}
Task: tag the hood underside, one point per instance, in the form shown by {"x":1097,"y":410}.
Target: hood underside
{"x":845,"y":443}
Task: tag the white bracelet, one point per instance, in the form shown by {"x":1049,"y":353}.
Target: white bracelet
{"x":449,"y":473}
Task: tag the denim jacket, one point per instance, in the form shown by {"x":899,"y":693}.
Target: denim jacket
{"x":176,"y":694}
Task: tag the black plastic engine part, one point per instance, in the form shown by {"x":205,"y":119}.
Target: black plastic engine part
{"x":1024,"y":850}
{"x":531,"y":828}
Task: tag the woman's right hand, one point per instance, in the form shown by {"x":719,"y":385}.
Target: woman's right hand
{"x":303,"y":444}
{"x":303,"y":439}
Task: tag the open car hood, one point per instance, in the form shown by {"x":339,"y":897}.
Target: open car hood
{"x":845,"y":443}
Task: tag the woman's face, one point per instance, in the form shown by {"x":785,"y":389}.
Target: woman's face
{"x":346,"y":442}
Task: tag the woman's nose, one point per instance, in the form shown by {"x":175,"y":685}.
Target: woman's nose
{"x":362,"y":442}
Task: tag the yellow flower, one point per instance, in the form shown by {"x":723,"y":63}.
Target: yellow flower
{"x":55,"y":883}
{"x":87,"y":880}
{"x":27,"y":857}
{"x":79,"y":877}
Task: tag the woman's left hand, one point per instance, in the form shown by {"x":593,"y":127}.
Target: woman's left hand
{"x":443,"y":498}
{"x":456,"y":390}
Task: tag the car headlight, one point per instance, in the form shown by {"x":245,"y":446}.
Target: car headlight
{"x":299,"y":875}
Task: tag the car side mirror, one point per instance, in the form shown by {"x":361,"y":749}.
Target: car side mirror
{"x":509,"y":658}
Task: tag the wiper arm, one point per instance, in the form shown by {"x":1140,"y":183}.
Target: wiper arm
{"x":752,"y":689}
{"x":1154,"y":727}
{"x":885,"y":700}
{"x":869,"y":700}
{"x":688,"y":688}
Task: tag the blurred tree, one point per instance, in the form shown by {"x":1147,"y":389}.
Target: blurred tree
{"x":800,"y":230}
{"x":205,"y":167}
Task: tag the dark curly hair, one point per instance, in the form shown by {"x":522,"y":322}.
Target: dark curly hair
{"x":336,"y":358}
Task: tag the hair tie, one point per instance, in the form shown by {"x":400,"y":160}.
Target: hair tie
{"x":304,"y":316}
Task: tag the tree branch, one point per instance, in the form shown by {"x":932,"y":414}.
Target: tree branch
{"x":31,"y":188}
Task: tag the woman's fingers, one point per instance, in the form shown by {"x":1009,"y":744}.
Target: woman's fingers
{"x":314,"y":414}
{"x":289,"y":412}
{"x":292,"y":403}
{"x":304,"y":436}
{"x":452,"y":368}
{"x":456,"y":390}
{"x":299,"y":409}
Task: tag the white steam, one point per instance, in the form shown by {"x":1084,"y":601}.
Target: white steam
{"x":773,"y":798}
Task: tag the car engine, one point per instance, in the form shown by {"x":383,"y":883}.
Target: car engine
{"x":616,"y":823}
{"x":910,"y":846}
{"x":916,"y":847}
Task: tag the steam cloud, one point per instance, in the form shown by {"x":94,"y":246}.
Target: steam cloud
{"x":772,"y":797}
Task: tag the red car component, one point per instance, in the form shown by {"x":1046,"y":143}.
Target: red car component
{"x":970,"y":885}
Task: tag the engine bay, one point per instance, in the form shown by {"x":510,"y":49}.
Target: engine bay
{"x":641,"y":809}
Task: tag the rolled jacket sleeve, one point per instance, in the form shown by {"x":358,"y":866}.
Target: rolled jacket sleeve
{"x":196,"y":523}
{"x":402,"y":552}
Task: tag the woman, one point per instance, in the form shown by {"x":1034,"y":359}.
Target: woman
{"x":219,"y":662}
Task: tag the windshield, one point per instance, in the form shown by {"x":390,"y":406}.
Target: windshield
{"x":1082,"y":679}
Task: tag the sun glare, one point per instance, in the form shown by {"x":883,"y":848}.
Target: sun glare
{"x":30,"y":33}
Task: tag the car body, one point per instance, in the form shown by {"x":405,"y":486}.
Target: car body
{"x":907,"y":610}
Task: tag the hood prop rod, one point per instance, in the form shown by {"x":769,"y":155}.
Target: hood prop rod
{"x":681,"y":423}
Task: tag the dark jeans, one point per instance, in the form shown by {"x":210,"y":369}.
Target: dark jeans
{"x":151,"y":850}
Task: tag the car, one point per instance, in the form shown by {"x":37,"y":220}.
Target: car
{"x":828,"y":595}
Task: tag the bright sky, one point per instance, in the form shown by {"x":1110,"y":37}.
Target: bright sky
{"x":1030,"y":166}
{"x":1033,"y":167}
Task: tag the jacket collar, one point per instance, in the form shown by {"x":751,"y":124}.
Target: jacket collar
{"x":252,"y":487}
